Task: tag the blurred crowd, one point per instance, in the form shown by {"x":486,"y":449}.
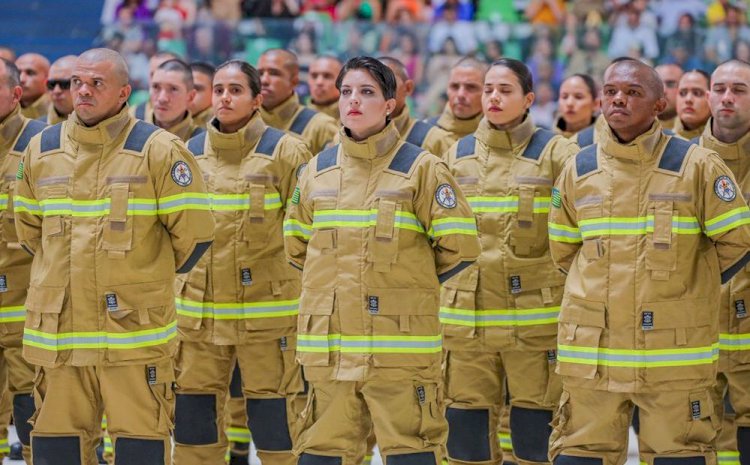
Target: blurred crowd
{"x":555,"y":38}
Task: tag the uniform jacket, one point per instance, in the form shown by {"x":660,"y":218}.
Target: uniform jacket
{"x":647,"y":231}
{"x":331,"y":109}
{"x":109,"y":212}
{"x":52,"y":117}
{"x":143,"y":111}
{"x":201,"y":119}
{"x":458,"y":128}
{"x":15,"y":264}
{"x":243,"y":289}
{"x":185,"y":129}
{"x":375,"y":226}
{"x":316,"y":129}
{"x":510,"y":298}
{"x":681,"y":131}
{"x":428,"y":136}
{"x":37,"y":109}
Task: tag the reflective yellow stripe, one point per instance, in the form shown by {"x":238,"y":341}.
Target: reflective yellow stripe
{"x":564,"y":233}
{"x":12,"y":314}
{"x":298,"y":229}
{"x":486,"y":204}
{"x":638,"y":358}
{"x":370,"y":344}
{"x":734,"y":342}
{"x":238,"y":435}
{"x":619,"y":226}
{"x":237,"y":202}
{"x":3,"y":201}
{"x":237,"y":311}
{"x":101,"y":207}
{"x":728,"y":457}
{"x":362,"y":219}
{"x":507,"y":317}
{"x":453,"y":225}
{"x":4,"y":446}
{"x":505,"y":442}
{"x":100,"y":339}
{"x":727,"y":221}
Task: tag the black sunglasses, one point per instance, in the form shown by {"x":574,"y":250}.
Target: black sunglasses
{"x":63,"y":83}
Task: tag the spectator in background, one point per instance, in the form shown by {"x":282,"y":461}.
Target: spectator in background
{"x":721,"y":38}
{"x":138,"y":10}
{"x":7,"y":53}
{"x":407,"y":52}
{"x":686,"y":36}
{"x":544,"y":66}
{"x":670,"y":12}
{"x":717,"y":10}
{"x":395,"y":8}
{"x":543,"y":109}
{"x":324,"y":8}
{"x":493,"y":51}
{"x":742,"y":51}
{"x":464,"y":9}
{"x":270,"y":8}
{"x":633,"y":36}
{"x":363,"y":10}
{"x":549,"y":13}
{"x":304,"y":47}
{"x":589,"y":57}
{"x":203,"y":45}
{"x":460,"y":32}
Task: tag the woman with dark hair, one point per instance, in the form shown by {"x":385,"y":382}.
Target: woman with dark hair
{"x":239,"y":303}
{"x":577,"y":107}
{"x":375,"y":225}
{"x":693,"y":110}
{"x":500,"y":316}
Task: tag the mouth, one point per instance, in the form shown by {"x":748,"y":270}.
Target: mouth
{"x":494,"y":109}
{"x":618,"y":112}
{"x":354,"y":113}
{"x":688,"y":110}
{"x":726,"y":111}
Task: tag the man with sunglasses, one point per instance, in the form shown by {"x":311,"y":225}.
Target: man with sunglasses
{"x":670,"y":75}
{"x":34,"y":70}
{"x":58,"y":88}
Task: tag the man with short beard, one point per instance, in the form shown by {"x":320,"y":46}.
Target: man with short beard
{"x":143,"y":111}
{"x":200,"y":107}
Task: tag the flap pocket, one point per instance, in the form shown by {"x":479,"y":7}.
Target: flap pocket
{"x":467,"y":280}
{"x":525,"y":206}
{"x":534,"y":278}
{"x":389,"y":301}
{"x":119,"y":301}
{"x":270,"y":269}
{"x":45,"y":299}
{"x":583,"y":312}
{"x":662,"y":212}
{"x":386,"y":219}
{"x":316,"y":302}
{"x":676,"y":314}
{"x":119,"y":203}
{"x":257,"y":201}
{"x":589,"y":211}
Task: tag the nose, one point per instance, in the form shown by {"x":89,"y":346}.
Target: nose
{"x":84,"y":89}
{"x":264,"y":77}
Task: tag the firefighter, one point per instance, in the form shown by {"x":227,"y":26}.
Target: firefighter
{"x":321,"y":78}
{"x":58,"y":88}
{"x":647,"y":226}
{"x":110,"y":207}
{"x":578,"y":107}
{"x":143,"y":111}
{"x":670,"y":75}
{"x":375,"y":224}
{"x":279,"y":75}
{"x":200,"y":106}
{"x":693,"y":110}
{"x":240,"y":303}
{"x":171,"y":93}
{"x":500,"y":315}
{"x":34,"y":69}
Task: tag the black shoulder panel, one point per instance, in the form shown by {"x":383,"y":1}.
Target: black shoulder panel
{"x":327,"y":158}
{"x":140,"y":111}
{"x":466,"y":146}
{"x":586,"y":137}
{"x":538,"y":141}
{"x":33,"y":128}
{"x":418,"y":133}
{"x":674,"y":154}
{"x":268,"y":141}
{"x":197,"y":131}
{"x":197,"y":144}
{"x":302,"y":120}
{"x":51,"y":138}
{"x":586,"y":160}
{"x":139,"y":135}
{"x":405,"y":157}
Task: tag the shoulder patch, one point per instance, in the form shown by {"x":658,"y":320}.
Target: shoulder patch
{"x":32,"y":128}
{"x":181,"y":174}
{"x":674,"y":154}
{"x":51,"y":138}
{"x":446,"y":196}
{"x":586,"y":137}
{"x":418,"y":133}
{"x":538,"y":142}
{"x":268,"y":141}
{"x":586,"y":160}
{"x":302,"y":120}
{"x":466,"y":146}
{"x":725,"y":188}
{"x":327,"y":158}
{"x":197,"y":144}
{"x":140,"y":111}
{"x":405,"y":157}
{"x":138,"y":136}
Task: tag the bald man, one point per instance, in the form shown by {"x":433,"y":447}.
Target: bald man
{"x":34,"y":70}
{"x":7,"y":53}
{"x":58,"y":88}
{"x":128,"y":209}
{"x":281,"y":109}
{"x":144,"y":111}
{"x":647,"y":226}
{"x":321,"y":78}
{"x":670,"y":75}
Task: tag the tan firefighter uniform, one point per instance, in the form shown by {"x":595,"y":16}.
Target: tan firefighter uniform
{"x":330,"y":109}
{"x":458,"y":128}
{"x":240,"y":302}
{"x":316,"y":129}
{"x":647,"y":231}
{"x":501,"y":313}
{"x":16,"y":375}
{"x":53,"y":117}
{"x":375,"y":226}
{"x":185,"y":129}
{"x":428,"y":136}
{"x":37,"y":109}
{"x":668,"y":124}
{"x":734,"y":325}
{"x":681,"y":131}
{"x":201,"y":119}
{"x":109,"y":212}
{"x":143,"y":111}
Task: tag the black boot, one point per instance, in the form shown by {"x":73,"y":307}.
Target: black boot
{"x":16,"y":451}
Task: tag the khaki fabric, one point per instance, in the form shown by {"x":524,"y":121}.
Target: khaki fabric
{"x":317,"y":134}
{"x":503,"y":435}
{"x":560,"y":127}
{"x":137,"y":399}
{"x":6,"y":409}
{"x":458,"y":128}
{"x":595,"y":423}
{"x":202,"y":119}
{"x":37,"y":109}
{"x":726,"y":438}
{"x":646,"y":240}
{"x":185,"y":129}
{"x":330,"y":109}
{"x":53,"y":117}
{"x":237,"y":431}
{"x":269,"y":372}
{"x":437,"y":141}
{"x":148,"y":112}
{"x":681,"y":131}
{"x":405,"y":416}
{"x":668,"y":123}
{"x":108,"y":225}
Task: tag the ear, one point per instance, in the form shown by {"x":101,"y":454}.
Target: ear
{"x":295,"y":80}
{"x":597,"y":104}
{"x":258,"y":100}
{"x":125,"y":93}
{"x":660,"y":105}
{"x":528,"y":100}
{"x":390,"y":105}
{"x":409,"y":87}
{"x":191,"y":96}
{"x":17,"y":93}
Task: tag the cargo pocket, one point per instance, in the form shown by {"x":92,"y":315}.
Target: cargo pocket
{"x":314,"y":341}
{"x":433,"y":428}
{"x":56,"y":199}
{"x":739,"y":326}
{"x":458,"y":298}
{"x":682,"y":328}
{"x":527,"y":236}
{"x":382,"y":245}
{"x":14,"y":282}
{"x":43,"y":305}
{"x":580,"y":330}
{"x":661,"y":251}
{"x":160,"y":378}
{"x":269,"y":279}
{"x":254,"y":227}
{"x":537,"y":292}
{"x":702,"y":421}
{"x":405,"y":327}
{"x":118,"y":225}
{"x":189,"y":302}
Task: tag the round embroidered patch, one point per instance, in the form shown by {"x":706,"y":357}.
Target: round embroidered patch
{"x":724,"y":188}
{"x":446,"y":196}
{"x":181,"y":174}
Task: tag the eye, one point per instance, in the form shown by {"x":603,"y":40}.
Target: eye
{"x":76,"y":82}
{"x":346,"y":92}
{"x":683,"y":93}
{"x":633,"y":93}
{"x":218,"y":90}
{"x":98,"y":83}
{"x":368,"y":92}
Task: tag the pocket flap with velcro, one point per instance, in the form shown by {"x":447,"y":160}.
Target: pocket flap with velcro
{"x":137,"y":296}
{"x":45,"y":299}
{"x":317,"y":302}
{"x":386,"y":219}
{"x":389,"y":301}
{"x":679,"y":313}
{"x":533,"y":278}
{"x":118,"y":210}
{"x":583,"y":312}
{"x":272,"y":269}
{"x":663,"y":212}
{"x":467,"y":280}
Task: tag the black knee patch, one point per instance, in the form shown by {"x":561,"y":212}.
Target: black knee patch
{"x":235,"y":386}
{"x":192,"y":410}
{"x":59,"y":450}
{"x":728,"y":408}
{"x":636,"y":420}
{"x":267,"y":420}
{"x":468,"y":434}
{"x":23,"y":409}
{"x":420,"y":458}
{"x":743,"y":444}
{"x":530,"y":433}
{"x":680,"y":461}
{"x":310,"y":459}
{"x":570,"y":460}
{"x":131,"y":451}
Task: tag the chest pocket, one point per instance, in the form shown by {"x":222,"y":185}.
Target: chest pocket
{"x":383,"y":237}
{"x":118,"y":225}
{"x":254,"y":222}
{"x":53,"y":225}
{"x":529,"y":231}
{"x":661,"y":250}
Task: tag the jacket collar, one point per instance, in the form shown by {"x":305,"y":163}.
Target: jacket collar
{"x":247,"y":136}
{"x":685,"y":133}
{"x":732,"y":151}
{"x":103,"y":133}
{"x":9,"y":129}
{"x":330,"y":109}
{"x":505,"y":139}
{"x":377,"y":145}
{"x":184,"y":129}
{"x":403,"y":121}
{"x":459,"y":127}
{"x":279,"y":117}
{"x":201,"y":119}
{"x":641,"y":148}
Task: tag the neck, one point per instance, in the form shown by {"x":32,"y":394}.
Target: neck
{"x":28,"y":102}
{"x":508,"y":126}
{"x":466,"y":119}
{"x":667,"y":115}
{"x":632,"y":133}
{"x":729,"y":135}
{"x":325,"y":104}
{"x":234,"y":127}
{"x":576,"y":126}
{"x":689,"y":126}
{"x":5,"y":116}
{"x":170,"y":124}
{"x":198,"y":112}
{"x":278,"y":104}
{"x":364,"y":134}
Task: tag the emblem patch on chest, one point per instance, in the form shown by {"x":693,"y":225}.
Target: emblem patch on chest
{"x":446,"y":196}
{"x":724,"y":188}
{"x":181,"y":174}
